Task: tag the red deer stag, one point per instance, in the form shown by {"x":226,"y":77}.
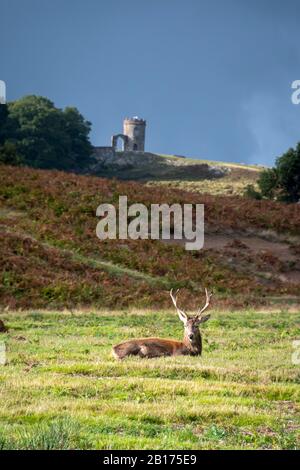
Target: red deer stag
{"x":156,"y":347}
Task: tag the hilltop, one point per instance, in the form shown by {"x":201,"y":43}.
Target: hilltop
{"x":51,"y":257}
{"x":196,"y":175}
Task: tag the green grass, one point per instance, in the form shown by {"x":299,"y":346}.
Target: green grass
{"x":61,"y":387}
{"x":234,"y":182}
{"x":240,"y":175}
{"x":189,"y":174}
{"x":188,"y":160}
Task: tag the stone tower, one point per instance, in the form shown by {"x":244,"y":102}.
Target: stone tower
{"x":134,"y":129}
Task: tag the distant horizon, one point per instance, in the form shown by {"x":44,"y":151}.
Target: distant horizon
{"x":193,"y":157}
{"x":213,"y":81}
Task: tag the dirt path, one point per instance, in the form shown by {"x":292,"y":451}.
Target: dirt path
{"x":258,"y":245}
{"x":255,"y":254}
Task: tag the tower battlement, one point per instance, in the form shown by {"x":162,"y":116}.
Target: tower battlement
{"x":135,"y":120}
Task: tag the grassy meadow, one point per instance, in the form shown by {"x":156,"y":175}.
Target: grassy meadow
{"x":61,"y":387}
{"x":189,"y":174}
{"x":233,"y":183}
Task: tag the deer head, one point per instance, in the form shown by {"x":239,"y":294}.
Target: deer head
{"x":191,"y":323}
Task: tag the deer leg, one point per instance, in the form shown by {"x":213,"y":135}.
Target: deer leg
{"x":144,"y":351}
{"x":123,"y":350}
{"x":151,"y":352}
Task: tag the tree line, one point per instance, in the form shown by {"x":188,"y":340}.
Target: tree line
{"x":34,"y":132}
{"x":282,"y":182}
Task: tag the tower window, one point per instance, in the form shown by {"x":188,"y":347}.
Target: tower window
{"x":135,"y":146}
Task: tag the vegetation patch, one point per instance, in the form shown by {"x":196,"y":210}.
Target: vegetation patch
{"x":62,"y":388}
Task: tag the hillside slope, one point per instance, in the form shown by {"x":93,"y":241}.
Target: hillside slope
{"x":51,"y":257}
{"x":195,"y":175}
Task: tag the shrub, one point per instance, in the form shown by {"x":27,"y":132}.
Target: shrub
{"x":283,"y":181}
{"x":252,"y":193}
{"x":9,"y":154}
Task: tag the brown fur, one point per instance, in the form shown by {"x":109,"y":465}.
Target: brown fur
{"x":158,"y":347}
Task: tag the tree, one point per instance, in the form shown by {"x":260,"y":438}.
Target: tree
{"x":288,"y":169}
{"x":3,"y":123}
{"x":252,"y":193}
{"x":78,"y":130}
{"x":9,"y":154}
{"x":268,"y":183}
{"x":283,"y":181}
{"x":8,"y":150}
{"x":47,"y":137}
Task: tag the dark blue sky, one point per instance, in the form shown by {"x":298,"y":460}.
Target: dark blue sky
{"x":212,"y":77}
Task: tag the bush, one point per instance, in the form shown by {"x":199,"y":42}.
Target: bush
{"x":268,"y":183}
{"x":283,"y":181}
{"x":252,"y":193}
{"x":9,"y":154}
{"x":288,"y":169}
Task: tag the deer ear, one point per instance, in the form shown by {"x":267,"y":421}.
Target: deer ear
{"x":203,"y":319}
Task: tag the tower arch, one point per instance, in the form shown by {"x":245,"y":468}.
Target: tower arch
{"x":115,"y":139}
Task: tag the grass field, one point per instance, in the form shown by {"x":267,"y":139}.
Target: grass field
{"x":238,"y":177}
{"x":61,"y":388}
{"x":188,"y":174}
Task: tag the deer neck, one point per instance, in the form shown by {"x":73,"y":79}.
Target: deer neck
{"x":195,"y":346}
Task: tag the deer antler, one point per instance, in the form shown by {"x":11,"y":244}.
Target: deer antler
{"x":182,"y":315}
{"x":208,"y":297}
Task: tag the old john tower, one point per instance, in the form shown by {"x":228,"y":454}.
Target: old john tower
{"x":133,"y":136}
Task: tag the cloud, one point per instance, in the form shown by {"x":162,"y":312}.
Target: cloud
{"x":269,"y":127}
